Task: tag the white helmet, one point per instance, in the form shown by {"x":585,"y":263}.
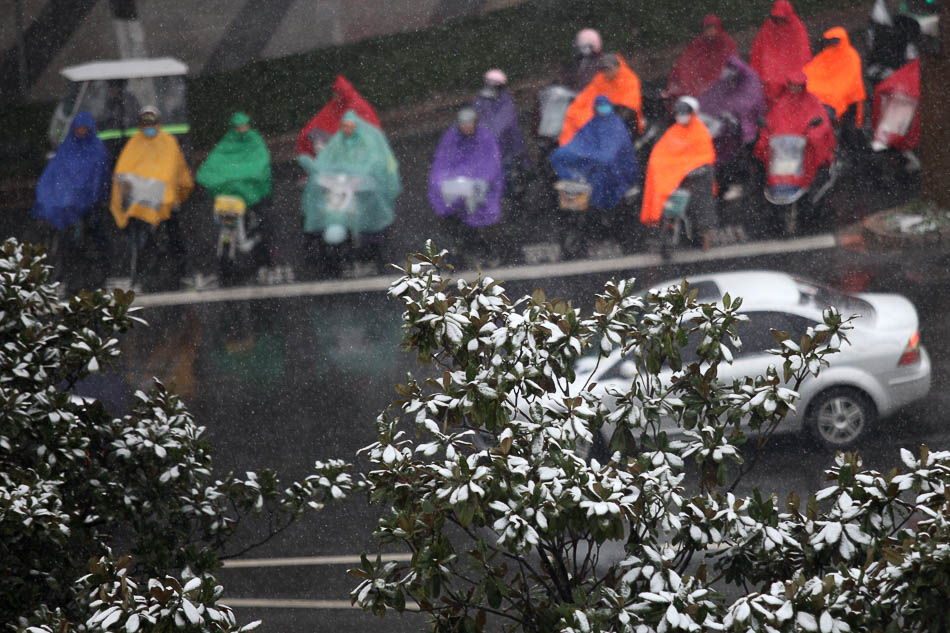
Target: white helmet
{"x":589,"y":38}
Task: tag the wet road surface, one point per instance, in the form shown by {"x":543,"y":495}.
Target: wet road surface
{"x":282,"y":382}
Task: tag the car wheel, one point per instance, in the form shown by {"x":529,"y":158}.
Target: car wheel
{"x":838,"y":417}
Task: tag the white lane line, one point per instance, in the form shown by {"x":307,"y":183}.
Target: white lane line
{"x":513,"y":273}
{"x":294,"y":561}
{"x":266,"y":603}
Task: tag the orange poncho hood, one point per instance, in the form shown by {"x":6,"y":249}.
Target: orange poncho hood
{"x":834,"y":75}
{"x":679,"y":151}
{"x":623,"y":90}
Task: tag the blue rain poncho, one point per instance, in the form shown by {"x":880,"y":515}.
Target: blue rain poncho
{"x":601,"y":154}
{"x":75,"y":179}
{"x":366,"y":154}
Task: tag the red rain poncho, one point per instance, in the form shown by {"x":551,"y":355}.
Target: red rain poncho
{"x":679,"y":151}
{"x":906,"y":81}
{"x":792,"y":114}
{"x":834,"y":75}
{"x":779,"y":50}
{"x":623,"y":90}
{"x":700,"y":65}
{"x":345,"y":97}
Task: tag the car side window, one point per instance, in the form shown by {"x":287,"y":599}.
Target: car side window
{"x":755,"y":333}
{"x":797,"y":325}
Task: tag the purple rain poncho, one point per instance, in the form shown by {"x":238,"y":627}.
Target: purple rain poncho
{"x":500,"y":116}
{"x":477,"y":156}
{"x":740,"y":95}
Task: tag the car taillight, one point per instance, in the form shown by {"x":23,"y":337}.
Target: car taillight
{"x":911,"y":353}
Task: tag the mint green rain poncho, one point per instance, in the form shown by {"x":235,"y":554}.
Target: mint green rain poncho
{"x":367,"y":154}
{"x":239,"y":165}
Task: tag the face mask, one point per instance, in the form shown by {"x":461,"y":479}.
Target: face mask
{"x":604,"y":109}
{"x":150,"y":132}
{"x":683,"y":119}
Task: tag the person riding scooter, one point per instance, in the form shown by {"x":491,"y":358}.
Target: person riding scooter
{"x":702,"y":62}
{"x":349,"y":196}
{"x":466,"y":184}
{"x":237,"y":173}
{"x":72,"y":189}
{"x":554,"y":100}
{"x":731,"y":109}
{"x":780,"y":48}
{"x":620,"y":85}
{"x":150,"y":182}
{"x":76,"y":179}
{"x":497,"y":112}
{"x":601,"y":157}
{"x":327,"y":121}
{"x":586,"y":63}
{"x":797,"y":149}
{"x":602,"y":154}
{"x":896,"y":35}
{"x":686,"y":147}
{"x":835,"y":77}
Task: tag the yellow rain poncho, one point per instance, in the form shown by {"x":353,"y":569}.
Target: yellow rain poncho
{"x":151,"y":178}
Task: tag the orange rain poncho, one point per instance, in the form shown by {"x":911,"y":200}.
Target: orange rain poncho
{"x":623,"y":90}
{"x":834,"y":75}
{"x":157,"y":179}
{"x":679,"y":151}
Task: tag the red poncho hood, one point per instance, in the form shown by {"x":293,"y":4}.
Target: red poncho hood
{"x":700,"y":65}
{"x":779,"y":49}
{"x":345,"y":97}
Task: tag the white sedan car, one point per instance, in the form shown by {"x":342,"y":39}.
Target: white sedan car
{"x":883,"y":369}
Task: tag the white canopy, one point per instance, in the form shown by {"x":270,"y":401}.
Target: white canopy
{"x":125,"y":69}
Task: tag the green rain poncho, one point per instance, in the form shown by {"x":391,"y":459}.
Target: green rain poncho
{"x":365,"y":153}
{"x":239,"y":165}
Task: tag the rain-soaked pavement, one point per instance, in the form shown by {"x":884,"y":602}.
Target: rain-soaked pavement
{"x":280,"y":383}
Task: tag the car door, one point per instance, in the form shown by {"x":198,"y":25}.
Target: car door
{"x":753,"y":359}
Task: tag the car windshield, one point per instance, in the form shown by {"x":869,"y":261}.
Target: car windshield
{"x":115,"y":103}
{"x":821,"y":297}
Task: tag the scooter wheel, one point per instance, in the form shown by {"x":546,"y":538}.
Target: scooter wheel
{"x":791,"y":220}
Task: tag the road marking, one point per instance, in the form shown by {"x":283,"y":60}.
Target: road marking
{"x":295,"y":561}
{"x":509,"y":274}
{"x":265,"y":603}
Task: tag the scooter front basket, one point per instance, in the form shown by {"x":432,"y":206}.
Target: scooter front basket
{"x":228,"y":210}
{"x":573,"y":195}
{"x":677,"y":204}
{"x":472,"y":191}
